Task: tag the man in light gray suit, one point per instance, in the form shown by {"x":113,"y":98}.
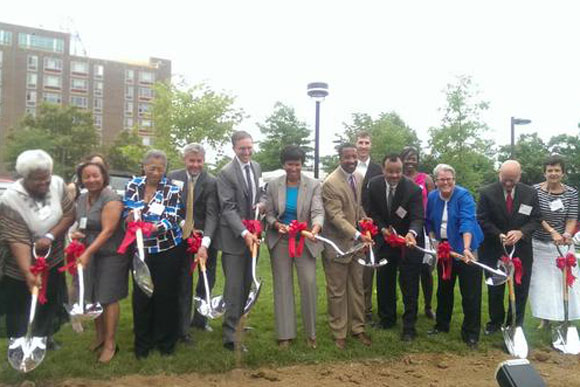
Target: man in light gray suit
{"x":239,"y":193}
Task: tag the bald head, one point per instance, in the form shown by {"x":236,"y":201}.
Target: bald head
{"x":510,"y":173}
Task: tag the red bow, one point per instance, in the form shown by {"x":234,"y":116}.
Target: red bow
{"x":72,"y":253}
{"x":41,"y":267}
{"x":193,"y":245}
{"x":253,"y":226}
{"x":444,"y":255}
{"x":367,"y":225}
{"x":567,"y":263}
{"x":518,"y":268}
{"x":132,"y":228}
{"x":395,"y":240}
{"x":294,"y":229}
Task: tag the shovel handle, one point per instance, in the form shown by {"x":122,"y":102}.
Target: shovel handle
{"x":306,"y":234}
{"x":254,"y":250}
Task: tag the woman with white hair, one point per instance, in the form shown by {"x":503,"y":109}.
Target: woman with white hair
{"x":34,"y":211}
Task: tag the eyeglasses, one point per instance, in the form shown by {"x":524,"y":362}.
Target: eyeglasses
{"x":446,"y":180}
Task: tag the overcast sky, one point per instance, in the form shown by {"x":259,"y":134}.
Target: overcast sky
{"x":377,"y":56}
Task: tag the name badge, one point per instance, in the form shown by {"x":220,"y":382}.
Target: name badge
{"x":44,"y":212}
{"x":156,"y":209}
{"x":525,"y":209}
{"x":556,"y":205}
{"x":178,"y":183}
{"x":401,"y":212}
{"x":83,"y":223}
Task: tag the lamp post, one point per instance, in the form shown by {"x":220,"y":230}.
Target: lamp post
{"x":317,"y":90}
{"x":513,"y":123}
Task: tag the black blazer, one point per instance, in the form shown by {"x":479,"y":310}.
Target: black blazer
{"x":373,"y":170}
{"x":408,"y":196}
{"x":494,"y":219}
{"x":205,"y":201}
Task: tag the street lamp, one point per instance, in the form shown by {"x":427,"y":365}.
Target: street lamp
{"x":317,"y":90}
{"x":513,"y":123}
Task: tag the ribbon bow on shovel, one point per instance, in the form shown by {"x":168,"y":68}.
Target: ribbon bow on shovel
{"x":368,"y":227}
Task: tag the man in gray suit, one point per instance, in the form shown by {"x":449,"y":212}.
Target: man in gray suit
{"x":200,"y":212}
{"x":239,"y":193}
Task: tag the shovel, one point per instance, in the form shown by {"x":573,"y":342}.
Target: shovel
{"x":256,"y":285}
{"x":513,"y":336}
{"x":26,"y":353}
{"x":565,"y":337}
{"x":498,"y":277}
{"x":80,"y":311}
{"x":209,"y":307}
{"x":340,"y":254}
{"x":141,"y":272}
{"x":372,"y":262}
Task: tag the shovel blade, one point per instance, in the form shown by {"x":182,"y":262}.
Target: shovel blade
{"x":142,"y":276}
{"x":90,"y":312}
{"x":566,"y":340}
{"x":25,"y":354}
{"x":515,"y":342}
{"x":252,"y":297}
{"x":218,"y":306}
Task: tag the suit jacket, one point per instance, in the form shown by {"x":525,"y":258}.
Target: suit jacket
{"x":233,"y":194}
{"x":494,"y":219}
{"x":406,"y":212}
{"x":309,"y":208}
{"x":205,"y":201}
{"x":342,"y":210}
{"x":373,"y":170}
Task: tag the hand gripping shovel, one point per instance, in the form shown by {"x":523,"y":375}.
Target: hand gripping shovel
{"x":565,"y":337}
{"x":256,"y":285}
{"x":209,"y":307}
{"x":141,"y":271}
{"x":26,"y":353}
{"x":372,"y":262}
{"x":80,"y":311}
{"x":498,"y":277}
{"x":513,"y":336}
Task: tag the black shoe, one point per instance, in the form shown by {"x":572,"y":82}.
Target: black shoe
{"x":491,"y":329}
{"x":52,"y":344}
{"x":387,"y":324}
{"x":140,"y":355}
{"x":186,"y":340}
{"x":471,"y":343}
{"x":436,"y":331}
{"x":408,"y":337}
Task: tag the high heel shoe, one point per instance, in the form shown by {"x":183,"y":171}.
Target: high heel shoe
{"x":108,"y":359}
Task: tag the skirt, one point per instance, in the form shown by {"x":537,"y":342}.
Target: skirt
{"x":106,"y":279}
{"x":546,"y":284}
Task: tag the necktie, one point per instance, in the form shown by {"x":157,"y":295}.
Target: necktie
{"x":509,"y":203}
{"x":352,"y":182}
{"x":188,"y":226}
{"x":250,"y":189}
{"x":390,"y":198}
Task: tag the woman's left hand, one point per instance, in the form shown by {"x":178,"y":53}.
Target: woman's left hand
{"x":314,"y":232}
{"x":84,"y":259}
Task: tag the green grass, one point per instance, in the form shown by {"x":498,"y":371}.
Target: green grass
{"x":208,"y":356}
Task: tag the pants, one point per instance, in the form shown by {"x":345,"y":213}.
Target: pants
{"x":284,"y":303}
{"x":409,"y":266}
{"x":156,"y":319}
{"x":344,"y":291}
{"x":470,"y":286}
{"x":427,"y":284}
{"x":368,"y":279}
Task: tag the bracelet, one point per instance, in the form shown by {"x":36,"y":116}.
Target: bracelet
{"x":49,"y":235}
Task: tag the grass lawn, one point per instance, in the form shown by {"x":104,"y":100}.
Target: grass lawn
{"x":208,"y":356}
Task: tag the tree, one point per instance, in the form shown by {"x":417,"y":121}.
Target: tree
{"x":459,"y":140}
{"x":569,"y":148}
{"x":530,"y":151}
{"x":280,"y":129}
{"x":126,"y":152}
{"x":65,"y":132}
{"x":194,"y":114}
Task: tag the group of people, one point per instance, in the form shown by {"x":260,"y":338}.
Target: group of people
{"x":38,"y":211}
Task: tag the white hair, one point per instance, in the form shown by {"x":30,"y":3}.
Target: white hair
{"x":443,"y":168}
{"x":155,"y":154}
{"x":33,"y":160}
{"x":193,"y":148}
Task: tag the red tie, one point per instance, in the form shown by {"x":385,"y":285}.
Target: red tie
{"x":509,"y":203}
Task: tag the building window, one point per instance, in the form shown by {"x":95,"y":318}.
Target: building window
{"x":145,"y":93}
{"x":144,"y":110}
{"x":146,"y":77}
{"x":53,"y":65}
{"x":128,"y":123}
{"x":79,"y":85}
{"x":5,"y":38}
{"x":147,"y":141}
{"x":31,"y":80}
{"x":129,"y":109}
{"x":54,"y":98}
{"x":99,"y":71}
{"x":31,"y":98}
{"x":98,"y":88}
{"x":52,"y":82}
{"x":78,"y":101}
{"x":79,"y":68}
{"x":145,"y":124}
{"x":98,"y":121}
{"x":98,"y":105}
{"x":129,"y":76}
{"x":31,"y":110}
{"x":129,"y":92}
{"x":38,"y":42}
{"x":32,"y":62}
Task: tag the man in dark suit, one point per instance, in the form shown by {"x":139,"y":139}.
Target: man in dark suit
{"x":368,"y":169}
{"x":200,"y":212}
{"x":239,"y":194}
{"x":508,"y":211}
{"x":396,"y":201}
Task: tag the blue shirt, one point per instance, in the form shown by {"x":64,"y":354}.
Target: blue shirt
{"x":291,"y":211}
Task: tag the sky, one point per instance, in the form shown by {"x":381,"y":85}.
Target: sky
{"x":376,"y":56}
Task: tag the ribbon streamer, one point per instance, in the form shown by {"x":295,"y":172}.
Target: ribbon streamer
{"x":41,"y":267}
{"x":295,"y":229}
{"x":367,"y":225}
{"x":253,"y":226}
{"x":394,"y":240}
{"x":193,"y":245}
{"x":132,"y":228}
{"x":444,"y":255}
{"x":72,"y":253}
{"x":567,"y":263}
{"x":518,"y":268}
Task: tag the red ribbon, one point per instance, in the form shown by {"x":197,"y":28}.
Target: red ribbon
{"x":72,"y":253}
{"x":567,"y":263}
{"x":294,"y":229}
{"x":253,"y":226}
{"x":395,"y":240}
{"x":132,"y":228}
{"x":518,"y":268}
{"x":444,"y":255}
{"x":193,"y":245}
{"x":41,"y":267}
{"x":367,"y":225}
